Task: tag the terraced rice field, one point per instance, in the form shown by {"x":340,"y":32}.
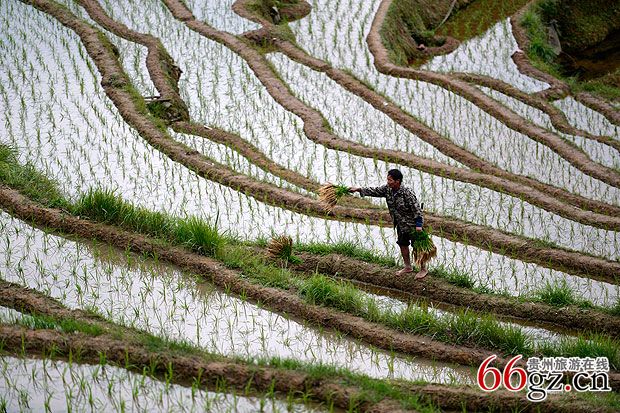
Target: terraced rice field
{"x":150,"y":150}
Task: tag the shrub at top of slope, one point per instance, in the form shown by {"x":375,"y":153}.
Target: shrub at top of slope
{"x":588,"y":38}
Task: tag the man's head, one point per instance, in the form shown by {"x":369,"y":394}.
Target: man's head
{"x":394,"y":178}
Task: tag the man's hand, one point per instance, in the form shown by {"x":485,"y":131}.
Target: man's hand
{"x":354,"y":189}
{"x":418,"y":228}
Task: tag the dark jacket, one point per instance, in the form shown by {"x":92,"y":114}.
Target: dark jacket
{"x":402,"y":204}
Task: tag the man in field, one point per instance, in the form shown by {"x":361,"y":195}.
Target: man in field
{"x":405,"y":211}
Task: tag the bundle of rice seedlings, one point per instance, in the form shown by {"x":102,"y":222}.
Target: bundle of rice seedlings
{"x":422,"y":247}
{"x":281,"y":246}
{"x":329,"y":194}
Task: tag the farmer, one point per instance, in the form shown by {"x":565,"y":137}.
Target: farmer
{"x":405,"y":211}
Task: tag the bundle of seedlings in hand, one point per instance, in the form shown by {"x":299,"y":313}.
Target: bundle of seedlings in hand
{"x":422,"y":247}
{"x":282,"y":247}
{"x":329,"y":194}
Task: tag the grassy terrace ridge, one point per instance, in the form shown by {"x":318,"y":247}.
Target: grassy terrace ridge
{"x":557,"y":294}
{"x":543,"y":58}
{"x":202,"y":237}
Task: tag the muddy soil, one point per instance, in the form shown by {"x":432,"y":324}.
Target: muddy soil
{"x":115,"y":81}
{"x":186,"y":369}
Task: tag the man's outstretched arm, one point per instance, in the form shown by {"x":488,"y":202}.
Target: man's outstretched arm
{"x":376,"y":191}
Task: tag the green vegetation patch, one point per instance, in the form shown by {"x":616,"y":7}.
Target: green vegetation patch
{"x":477,"y":17}
{"x":194,"y":233}
{"x":349,"y":249}
{"x":374,"y":390}
{"x":409,"y":23}
{"x":65,"y":324}
{"x":581,"y":24}
{"x":26,"y":179}
{"x":558,"y":295}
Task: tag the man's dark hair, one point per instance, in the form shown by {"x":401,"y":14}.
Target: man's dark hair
{"x":396,"y":175}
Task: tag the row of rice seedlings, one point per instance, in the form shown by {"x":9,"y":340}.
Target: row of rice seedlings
{"x":348,"y":249}
{"x":348,"y":115}
{"x":220,"y":15}
{"x":235,"y":211}
{"x":499,"y":273}
{"x":467,"y":123}
{"x":385,"y":304}
{"x":318,"y":34}
{"x":517,"y":278}
{"x":54,"y":385}
{"x":490,"y":55}
{"x":228,"y":156}
{"x":461,"y":327}
{"x":12,"y":316}
{"x":557,"y":292}
{"x":492,"y":271}
{"x":585,"y":118}
{"x":134,"y":292}
{"x":524,"y":110}
{"x":321,"y":290}
{"x":132,"y":55}
{"x":597,"y":151}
